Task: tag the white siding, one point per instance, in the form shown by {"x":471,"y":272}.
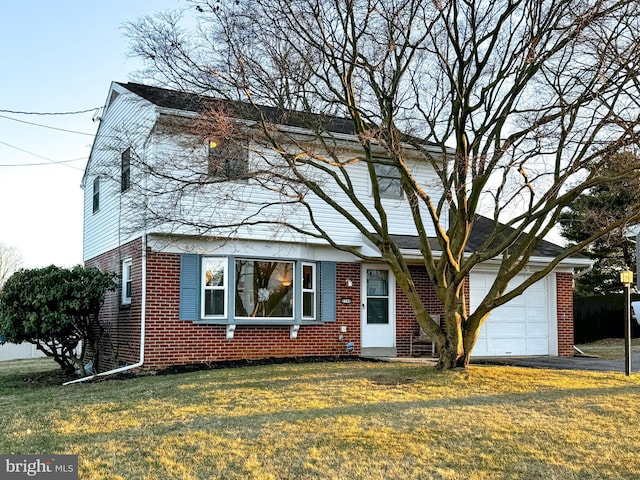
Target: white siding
{"x":233,"y":202}
{"x":129,"y":122}
{"x":126,"y":123}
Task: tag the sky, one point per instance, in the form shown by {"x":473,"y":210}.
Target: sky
{"x":55,"y":57}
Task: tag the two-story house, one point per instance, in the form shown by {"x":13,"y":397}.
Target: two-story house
{"x":250,"y":288}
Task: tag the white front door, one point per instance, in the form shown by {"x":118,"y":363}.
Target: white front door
{"x":378,"y":307}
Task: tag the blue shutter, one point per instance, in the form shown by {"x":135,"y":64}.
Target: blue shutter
{"x":189,"y":287}
{"x":328,"y":294}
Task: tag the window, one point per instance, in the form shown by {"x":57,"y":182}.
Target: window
{"x":308,"y":291}
{"x":126,"y":282}
{"x":264,"y":289}
{"x":125,"y":170}
{"x":251,"y":291}
{"x":389,"y":182}
{"x":227,"y":159}
{"x":377,"y":296}
{"x":214,"y":298}
{"x":96,"y":194}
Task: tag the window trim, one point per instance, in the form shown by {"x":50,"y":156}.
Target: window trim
{"x":313,"y":290}
{"x":96,"y":194}
{"x":393,"y":175}
{"x":216,"y":147}
{"x":203,"y":288}
{"x":127,"y":277}
{"x":261,"y":320}
{"x":230,"y":318}
{"x":125,"y":170}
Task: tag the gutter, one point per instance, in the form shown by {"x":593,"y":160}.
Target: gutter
{"x":584,"y":271}
{"x":143,"y":318}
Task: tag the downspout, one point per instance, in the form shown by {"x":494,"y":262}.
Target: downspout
{"x":143,"y":318}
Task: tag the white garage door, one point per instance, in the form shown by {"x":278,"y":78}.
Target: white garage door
{"x":520,"y":327}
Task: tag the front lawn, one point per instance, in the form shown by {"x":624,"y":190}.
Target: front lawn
{"x":611,"y":348}
{"x":351,"y":420}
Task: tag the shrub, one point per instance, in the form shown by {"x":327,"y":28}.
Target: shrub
{"x":57,"y":310}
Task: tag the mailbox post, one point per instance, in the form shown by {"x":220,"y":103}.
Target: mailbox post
{"x":626,"y":278}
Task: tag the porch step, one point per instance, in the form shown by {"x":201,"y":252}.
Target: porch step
{"x":378,"y":352}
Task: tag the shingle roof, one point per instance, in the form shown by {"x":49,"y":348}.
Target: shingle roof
{"x":192,"y":102}
{"x":482,"y":227}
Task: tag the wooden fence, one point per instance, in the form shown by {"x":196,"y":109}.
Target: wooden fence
{"x":601,"y":317}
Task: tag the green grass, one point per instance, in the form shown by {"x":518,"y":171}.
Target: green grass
{"x":351,"y":420}
{"x":611,"y":348}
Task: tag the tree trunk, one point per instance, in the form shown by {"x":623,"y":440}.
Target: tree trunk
{"x":461,"y":334}
{"x":452,"y":353}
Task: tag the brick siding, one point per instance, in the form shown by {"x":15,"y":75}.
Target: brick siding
{"x":121,"y":341}
{"x":564,"y":295}
{"x":171,"y":341}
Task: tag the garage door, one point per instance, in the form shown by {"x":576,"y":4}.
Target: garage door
{"x":520,"y":327}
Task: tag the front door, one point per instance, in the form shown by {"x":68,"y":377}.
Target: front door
{"x":378,"y":307}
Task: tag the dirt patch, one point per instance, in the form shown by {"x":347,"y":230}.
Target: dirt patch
{"x":41,"y":379}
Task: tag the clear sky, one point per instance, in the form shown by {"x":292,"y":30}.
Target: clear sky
{"x":56,"y":56}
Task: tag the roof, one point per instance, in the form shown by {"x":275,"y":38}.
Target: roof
{"x":192,"y":102}
{"x":482,"y":228}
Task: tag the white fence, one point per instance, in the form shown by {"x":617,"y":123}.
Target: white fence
{"x":11,"y":351}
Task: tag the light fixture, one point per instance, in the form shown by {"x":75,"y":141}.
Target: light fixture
{"x":348,"y":282}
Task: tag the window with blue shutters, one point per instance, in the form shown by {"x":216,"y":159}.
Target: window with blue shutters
{"x":189,"y":287}
{"x":253,"y":291}
{"x":328,"y":293}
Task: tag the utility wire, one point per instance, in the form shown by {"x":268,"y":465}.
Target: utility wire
{"x":50,"y":113}
{"x":49,"y":160}
{"x":46,"y":126}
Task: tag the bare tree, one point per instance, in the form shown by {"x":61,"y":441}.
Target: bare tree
{"x":508,"y":101}
{"x":10,"y":262}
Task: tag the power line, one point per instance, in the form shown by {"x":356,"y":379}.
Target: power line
{"x":49,"y":160}
{"x":42,"y":163}
{"x":50,"y":113}
{"x":46,"y":126}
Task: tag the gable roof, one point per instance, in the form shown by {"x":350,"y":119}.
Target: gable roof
{"x":192,"y":102}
